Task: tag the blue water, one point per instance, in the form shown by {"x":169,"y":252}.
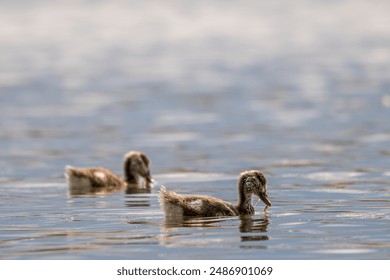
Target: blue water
{"x":206,"y":89}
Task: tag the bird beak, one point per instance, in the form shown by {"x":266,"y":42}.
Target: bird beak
{"x":149,"y":178}
{"x":265,"y":199}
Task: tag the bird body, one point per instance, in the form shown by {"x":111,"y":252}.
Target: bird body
{"x":89,"y":180}
{"x":197,"y":205}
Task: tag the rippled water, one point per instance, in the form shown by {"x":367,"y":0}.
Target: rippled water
{"x":207,"y":89}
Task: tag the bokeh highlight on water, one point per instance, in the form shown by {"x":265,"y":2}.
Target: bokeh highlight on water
{"x":207,"y":89}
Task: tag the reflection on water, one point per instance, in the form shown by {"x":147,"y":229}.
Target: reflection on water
{"x":75,"y":191}
{"x":171,"y":222}
{"x":138,"y":200}
{"x":255,"y":230}
{"x":250,"y":224}
{"x":134,"y":189}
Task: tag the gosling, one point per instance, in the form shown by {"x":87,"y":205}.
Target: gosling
{"x":250,"y":182}
{"x":101,"y":180}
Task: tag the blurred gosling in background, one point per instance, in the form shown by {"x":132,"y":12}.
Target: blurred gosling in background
{"x":101,"y":180}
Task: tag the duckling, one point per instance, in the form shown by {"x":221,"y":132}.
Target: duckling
{"x":101,"y":180}
{"x":250,"y":182}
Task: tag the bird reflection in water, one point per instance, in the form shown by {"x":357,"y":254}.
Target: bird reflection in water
{"x":172,"y":222}
{"x":128,"y":190}
{"x":248,"y":224}
{"x":253,"y":229}
{"x":137,"y":200}
{"x":135,"y":189}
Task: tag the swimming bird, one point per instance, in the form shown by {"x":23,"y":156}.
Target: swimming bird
{"x":250,"y":182}
{"x":101,"y":180}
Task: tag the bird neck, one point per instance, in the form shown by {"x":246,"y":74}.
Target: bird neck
{"x":244,"y":200}
{"x":130,"y":178}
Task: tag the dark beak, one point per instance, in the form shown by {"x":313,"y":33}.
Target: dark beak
{"x":265,"y":199}
{"x":149,"y":178}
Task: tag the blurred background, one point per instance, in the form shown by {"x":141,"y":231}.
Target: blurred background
{"x":204,"y":85}
{"x":299,"y":89}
